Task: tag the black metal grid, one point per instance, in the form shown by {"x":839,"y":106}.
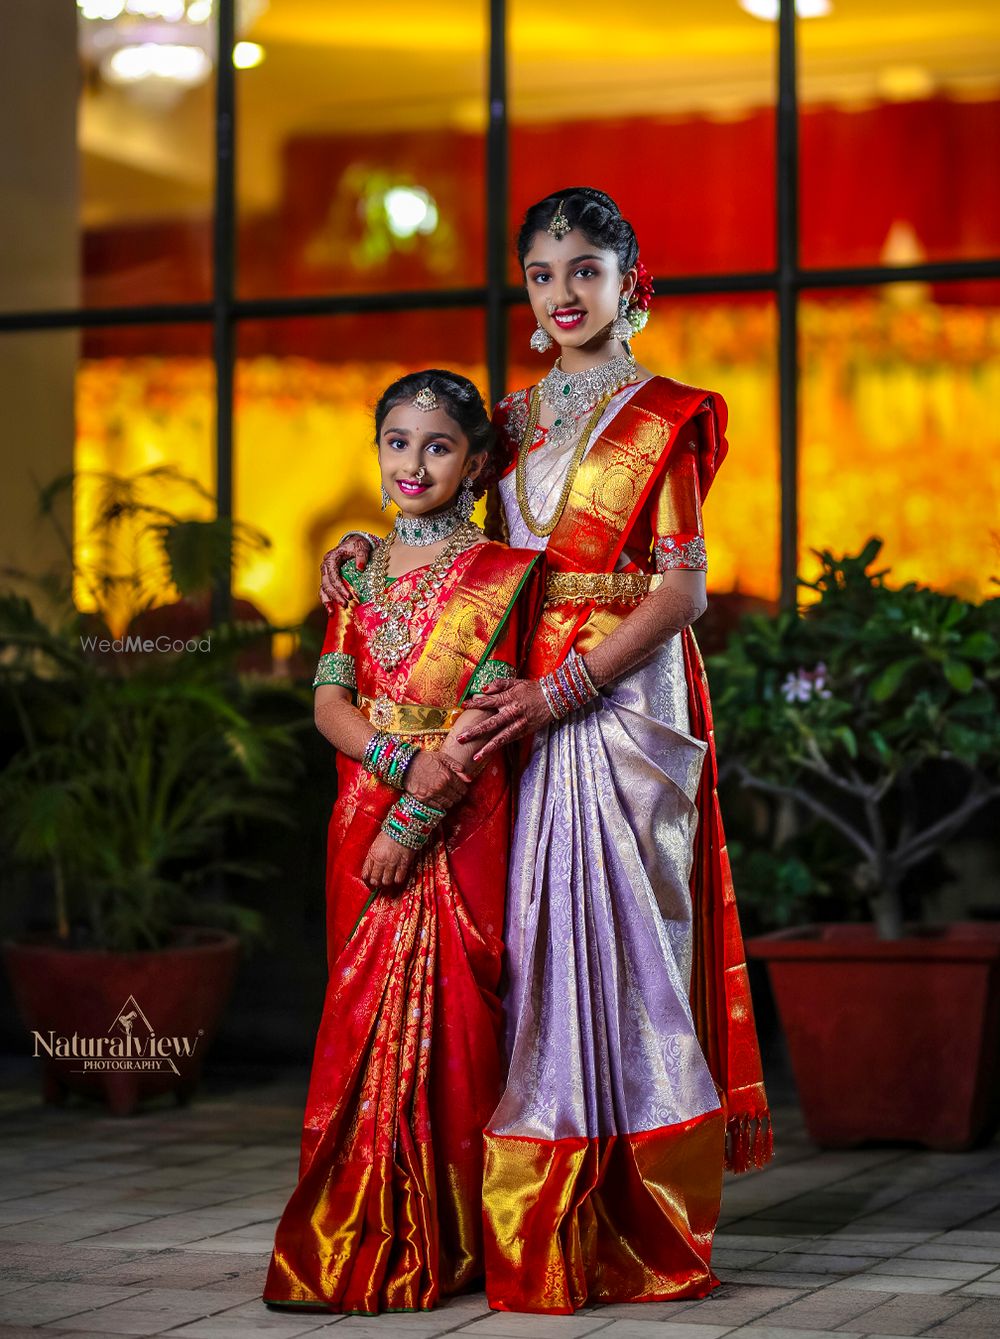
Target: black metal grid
{"x":226,"y":310}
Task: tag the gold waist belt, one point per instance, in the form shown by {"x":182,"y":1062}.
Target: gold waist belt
{"x":599,"y":587}
{"x":408,"y":718}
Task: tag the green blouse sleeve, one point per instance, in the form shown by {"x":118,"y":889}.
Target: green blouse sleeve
{"x":336,"y":667}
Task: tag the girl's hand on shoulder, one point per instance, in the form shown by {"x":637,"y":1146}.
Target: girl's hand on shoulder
{"x":387,"y":865}
{"x":518,"y":708}
{"x":333,"y":588}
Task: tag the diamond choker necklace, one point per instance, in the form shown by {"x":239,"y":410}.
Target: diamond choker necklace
{"x":419,"y":531}
{"x":574,"y":394}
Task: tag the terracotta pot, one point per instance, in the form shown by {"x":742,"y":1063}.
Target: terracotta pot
{"x":122,"y":1026}
{"x":891,"y":1040}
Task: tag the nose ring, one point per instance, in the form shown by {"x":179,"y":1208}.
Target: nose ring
{"x":420,"y":473}
{"x":551,"y":306}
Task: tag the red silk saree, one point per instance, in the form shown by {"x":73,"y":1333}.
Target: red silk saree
{"x":386,"y":1215}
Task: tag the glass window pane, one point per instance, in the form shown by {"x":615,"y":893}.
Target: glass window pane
{"x":305,"y":468}
{"x":900,"y":434}
{"x":725,"y":344}
{"x":900,"y":132}
{"x":668,"y":108}
{"x":361,"y":148}
{"x":106,"y":195}
{"x":119,"y":401}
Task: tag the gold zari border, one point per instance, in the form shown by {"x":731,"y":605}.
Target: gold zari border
{"x":599,"y":587}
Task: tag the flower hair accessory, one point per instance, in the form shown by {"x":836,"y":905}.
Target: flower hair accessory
{"x":425,"y":399}
{"x":642,"y":297}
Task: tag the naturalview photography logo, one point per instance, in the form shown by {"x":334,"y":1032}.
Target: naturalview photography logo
{"x":136,"y":1049}
{"x":133,"y":644}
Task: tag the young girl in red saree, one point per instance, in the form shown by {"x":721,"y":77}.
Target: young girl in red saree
{"x":386,"y":1215}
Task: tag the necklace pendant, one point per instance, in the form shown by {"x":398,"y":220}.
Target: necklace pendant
{"x":391,"y":643}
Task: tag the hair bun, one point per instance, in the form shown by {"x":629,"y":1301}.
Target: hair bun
{"x":593,"y":212}
{"x":593,"y":194}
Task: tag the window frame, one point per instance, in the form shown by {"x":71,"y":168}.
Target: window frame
{"x":225,"y":310}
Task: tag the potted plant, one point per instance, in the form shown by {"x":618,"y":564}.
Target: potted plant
{"x":128,"y":780}
{"x":869,"y":722}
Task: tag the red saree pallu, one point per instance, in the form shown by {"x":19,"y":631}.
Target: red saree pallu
{"x":386,"y":1215}
{"x":634,"y":1075}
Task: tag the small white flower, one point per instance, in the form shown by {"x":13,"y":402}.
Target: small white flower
{"x":805,"y":684}
{"x":797,"y":687}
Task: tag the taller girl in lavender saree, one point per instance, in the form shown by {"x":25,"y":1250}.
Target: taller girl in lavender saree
{"x":604,"y":1158}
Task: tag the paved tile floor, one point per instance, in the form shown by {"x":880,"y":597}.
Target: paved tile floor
{"x":163,"y":1223}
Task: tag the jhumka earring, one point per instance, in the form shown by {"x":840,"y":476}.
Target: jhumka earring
{"x":385,"y":498}
{"x":559,"y":224}
{"x":466,"y":500}
{"x":540,"y":340}
{"x":621,"y":326}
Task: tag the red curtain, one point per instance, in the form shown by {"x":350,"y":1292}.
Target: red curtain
{"x":700,"y":193}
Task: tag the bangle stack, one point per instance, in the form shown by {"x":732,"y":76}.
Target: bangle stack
{"x":387,"y":757}
{"x":569,"y":687}
{"x":411,"y":822}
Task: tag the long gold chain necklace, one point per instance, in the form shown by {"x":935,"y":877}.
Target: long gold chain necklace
{"x":544,"y":528}
{"x":391,"y":643}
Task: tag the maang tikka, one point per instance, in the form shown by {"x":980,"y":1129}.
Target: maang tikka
{"x":559,"y":224}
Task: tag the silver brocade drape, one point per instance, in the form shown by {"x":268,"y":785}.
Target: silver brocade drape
{"x":598,"y":1026}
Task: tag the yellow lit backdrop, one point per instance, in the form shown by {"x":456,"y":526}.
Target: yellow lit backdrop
{"x":900,"y":437}
{"x":899,"y":387}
